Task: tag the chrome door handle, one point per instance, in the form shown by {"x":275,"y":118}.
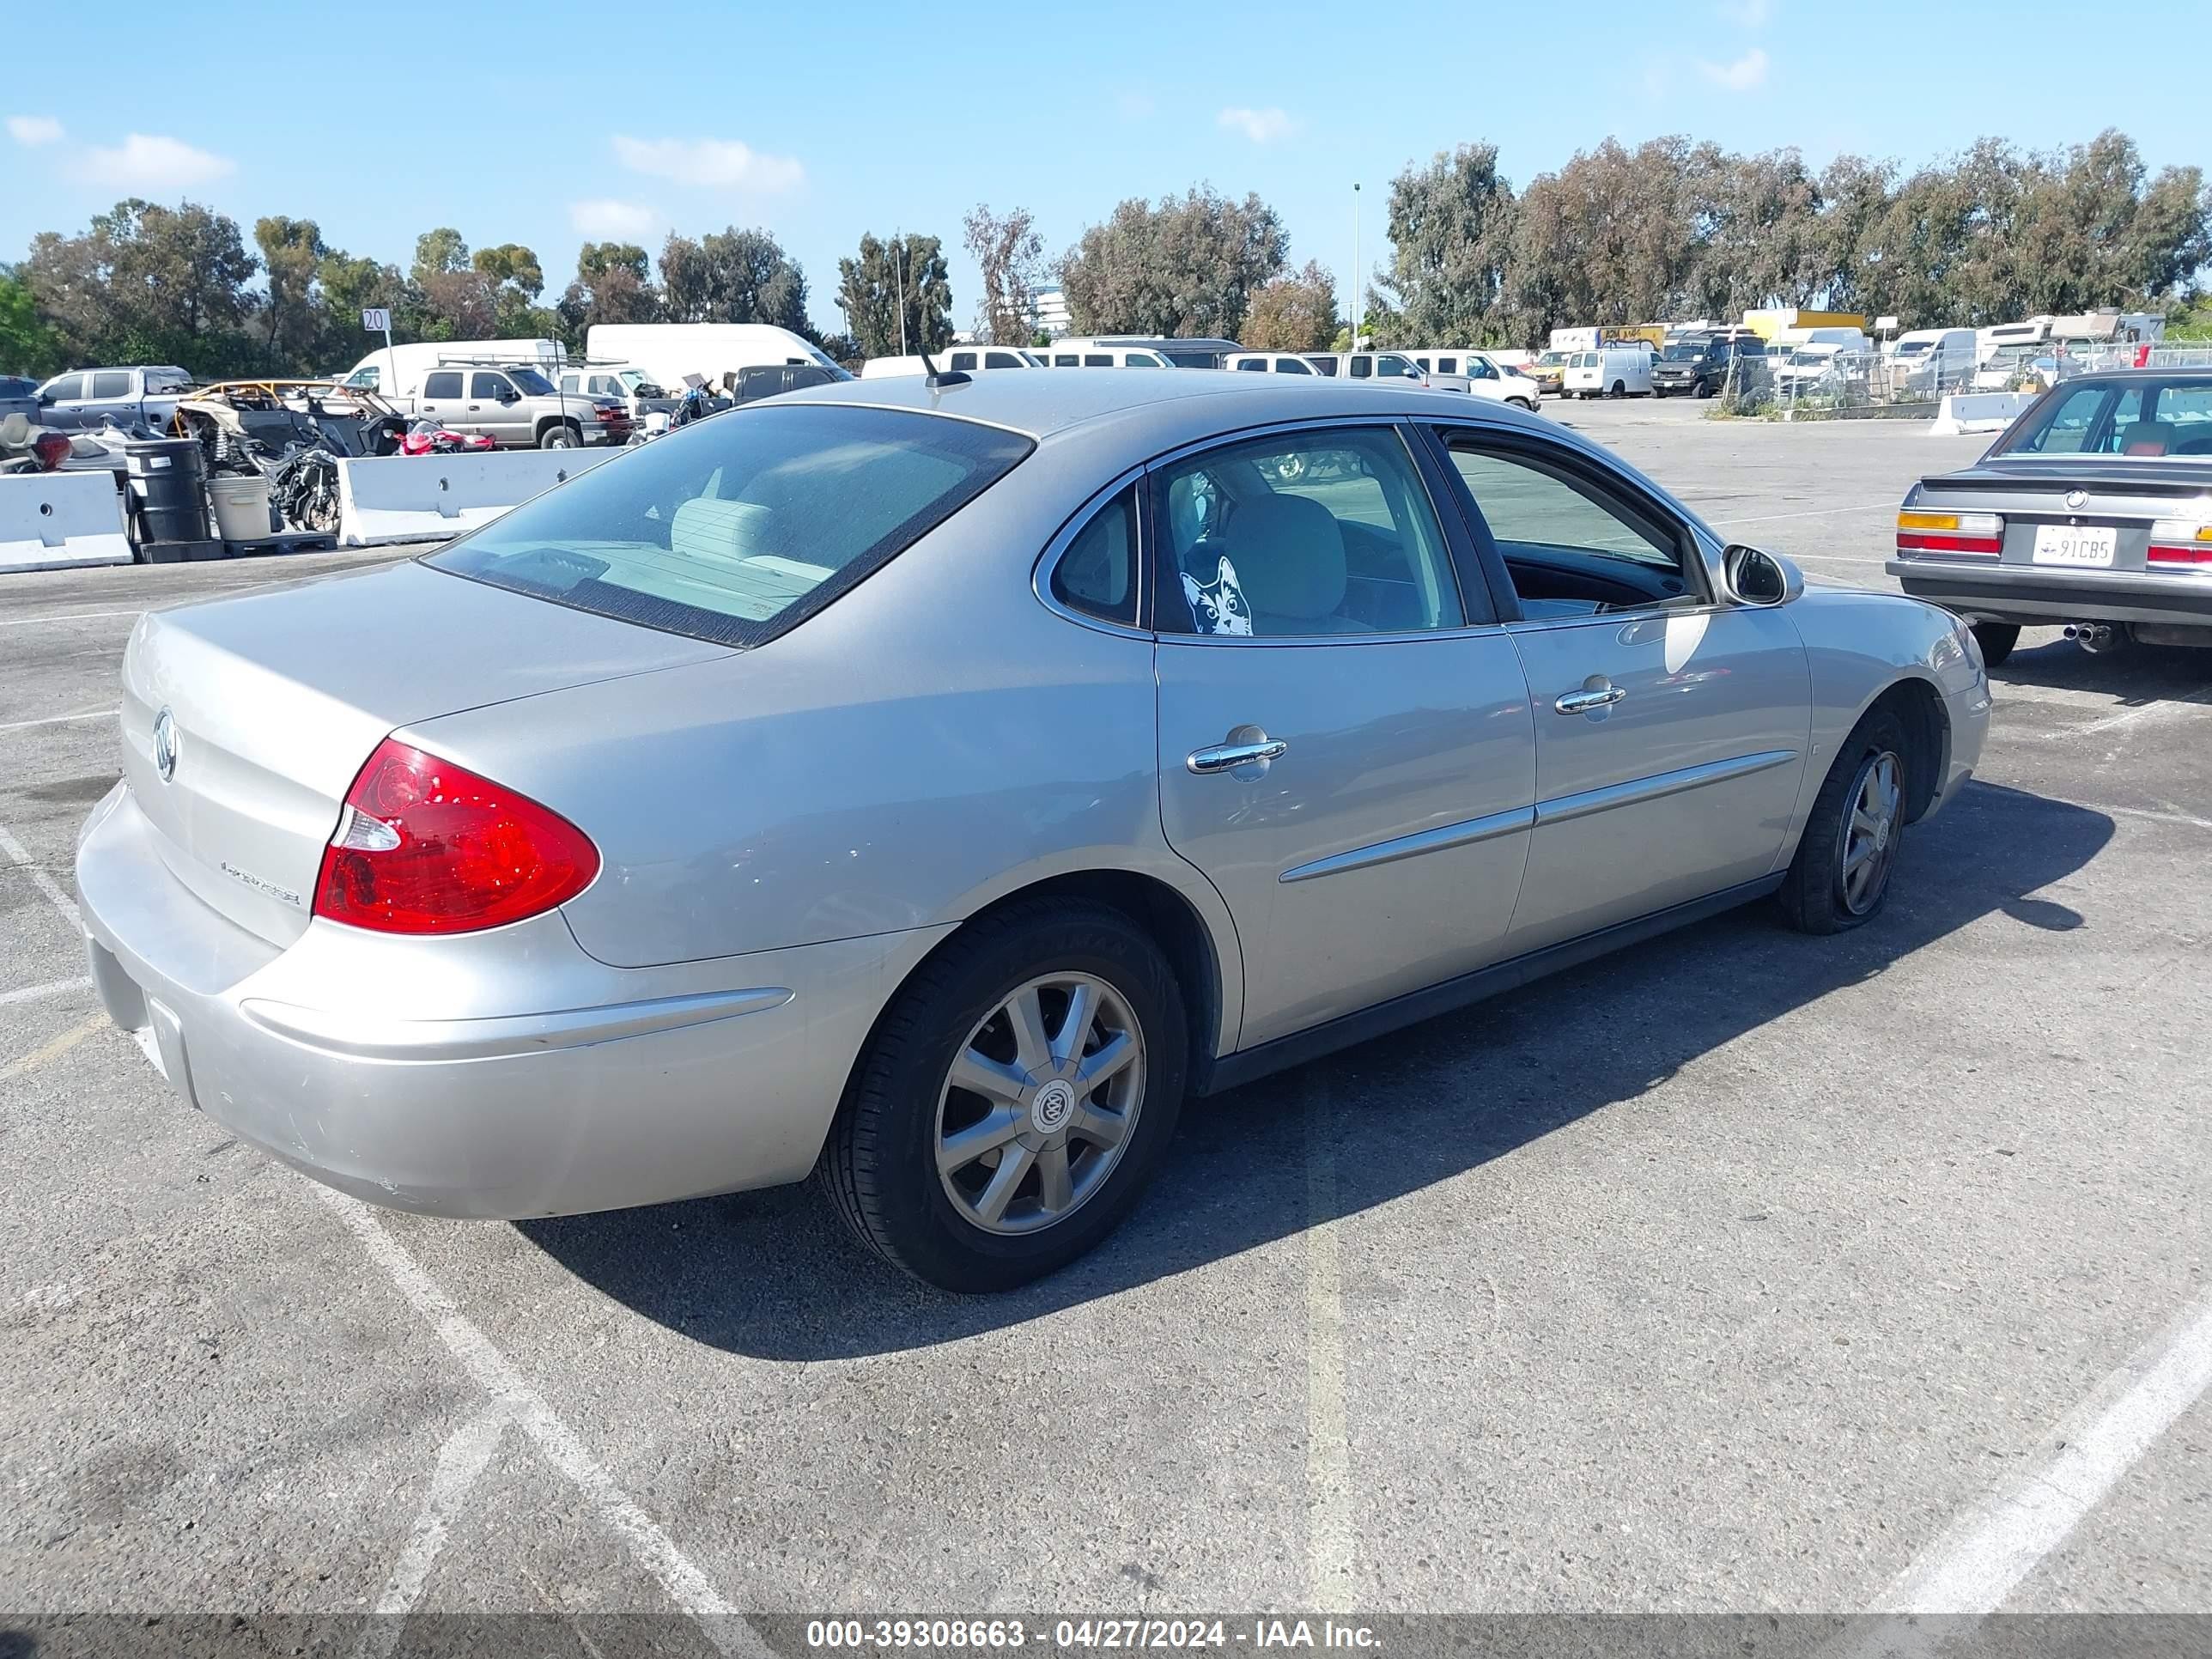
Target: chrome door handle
{"x":1596,"y":696}
{"x":1227,"y":757}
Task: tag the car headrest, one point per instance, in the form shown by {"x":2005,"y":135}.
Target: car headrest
{"x":1289,"y":556}
{"x":2147,"y":438}
{"x":720,"y":532}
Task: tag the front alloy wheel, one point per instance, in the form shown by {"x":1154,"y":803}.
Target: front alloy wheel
{"x":1039,"y":1103}
{"x":1868,"y":839}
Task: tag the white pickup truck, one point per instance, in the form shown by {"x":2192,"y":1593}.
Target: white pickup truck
{"x":127,"y":397}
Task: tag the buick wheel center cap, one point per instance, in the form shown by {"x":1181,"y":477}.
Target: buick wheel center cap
{"x":1053,"y":1105}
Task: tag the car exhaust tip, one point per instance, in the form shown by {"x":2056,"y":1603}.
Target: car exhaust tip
{"x":2091,"y":636}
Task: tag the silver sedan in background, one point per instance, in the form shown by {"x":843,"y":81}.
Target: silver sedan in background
{"x":930,"y":785}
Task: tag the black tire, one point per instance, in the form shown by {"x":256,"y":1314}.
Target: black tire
{"x":1813,"y":896}
{"x":1658,"y":390}
{"x":1997,"y":640}
{"x":1522,"y":402}
{"x":1705,"y":389}
{"x":880,"y":1163}
{"x":1620,"y":389}
{"x":561,"y":434}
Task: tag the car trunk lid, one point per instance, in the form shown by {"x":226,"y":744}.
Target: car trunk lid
{"x":266,"y":705}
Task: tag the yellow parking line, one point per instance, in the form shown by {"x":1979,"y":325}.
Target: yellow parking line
{"x":54,"y":1050}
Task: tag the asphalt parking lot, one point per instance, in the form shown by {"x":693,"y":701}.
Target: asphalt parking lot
{"x":1743,"y":1271}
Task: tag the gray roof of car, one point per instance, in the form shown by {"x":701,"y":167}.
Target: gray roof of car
{"x":1044,"y":401}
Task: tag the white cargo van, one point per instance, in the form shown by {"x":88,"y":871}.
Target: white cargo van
{"x":1932,"y":360}
{"x":1613,"y":371}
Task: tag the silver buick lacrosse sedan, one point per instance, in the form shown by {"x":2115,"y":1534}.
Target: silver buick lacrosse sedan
{"x":929,"y":783}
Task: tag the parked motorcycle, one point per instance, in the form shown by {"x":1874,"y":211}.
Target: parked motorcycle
{"x":429,"y":438}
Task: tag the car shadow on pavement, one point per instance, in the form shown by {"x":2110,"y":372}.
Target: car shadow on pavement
{"x":2133,"y":675}
{"x":774,"y":1274}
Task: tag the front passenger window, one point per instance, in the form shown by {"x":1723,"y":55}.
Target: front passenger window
{"x":1572,"y":547}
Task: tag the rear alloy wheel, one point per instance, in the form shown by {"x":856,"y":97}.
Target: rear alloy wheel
{"x":1014,"y":1098}
{"x":1840,"y":876}
{"x":1997,"y":640}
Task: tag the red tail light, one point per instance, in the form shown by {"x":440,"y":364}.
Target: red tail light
{"x":427,"y":847}
{"x":52,"y":448}
{"x":1950,"y":532}
{"x":2182,"y":543}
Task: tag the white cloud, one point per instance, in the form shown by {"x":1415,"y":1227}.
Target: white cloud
{"x":1752,"y":14}
{"x":722,"y":162}
{"x":1261,"y":126}
{"x":31,"y":131}
{"x":148,"y":161}
{"x":1741,"y":75}
{"x":603,"y":218}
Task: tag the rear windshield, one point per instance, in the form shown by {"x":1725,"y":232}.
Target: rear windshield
{"x":743,"y":526}
{"x":2142,"y":419}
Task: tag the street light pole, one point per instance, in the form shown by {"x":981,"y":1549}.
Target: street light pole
{"x":1355,"y":267}
{"x":898,"y":275}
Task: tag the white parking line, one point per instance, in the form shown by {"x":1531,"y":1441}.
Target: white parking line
{"x":461,"y":1463}
{"x":39,"y":879}
{"x":2180,"y":705}
{"x":1328,"y":1451}
{"x":52,"y":988}
{"x":66,"y":616}
{"x":692,"y":1591}
{"x":59,"y":720}
{"x":688,"y":1586}
{"x":1985,"y":1554}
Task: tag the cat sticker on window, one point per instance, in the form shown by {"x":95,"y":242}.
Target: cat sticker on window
{"x":1218,"y":607}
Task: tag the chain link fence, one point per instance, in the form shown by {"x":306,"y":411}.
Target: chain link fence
{"x":1817,"y":381}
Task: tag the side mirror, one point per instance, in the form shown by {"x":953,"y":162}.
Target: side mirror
{"x":1758,"y":577}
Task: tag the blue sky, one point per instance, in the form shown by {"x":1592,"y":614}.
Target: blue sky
{"x":548,"y":124}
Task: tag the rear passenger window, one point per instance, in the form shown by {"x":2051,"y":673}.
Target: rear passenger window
{"x":964,"y":360}
{"x":1294,"y":366}
{"x":111,"y":383}
{"x":1310,"y":533}
{"x":445,"y":384}
{"x":1446,"y":364}
{"x":1254,"y":366}
{"x":1362,"y":368}
{"x":1096,"y":360}
{"x":1097,"y":572}
{"x":1002,"y":360}
{"x":1065,"y":360}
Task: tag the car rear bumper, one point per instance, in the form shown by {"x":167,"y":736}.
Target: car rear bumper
{"x":454,"y":1085}
{"x":2037,"y":595}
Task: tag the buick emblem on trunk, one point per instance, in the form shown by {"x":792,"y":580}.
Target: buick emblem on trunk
{"x":165,"y":745}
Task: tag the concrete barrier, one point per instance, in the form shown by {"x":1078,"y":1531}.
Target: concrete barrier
{"x":52,"y":520}
{"x":1978,"y":411}
{"x":413,"y":498}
